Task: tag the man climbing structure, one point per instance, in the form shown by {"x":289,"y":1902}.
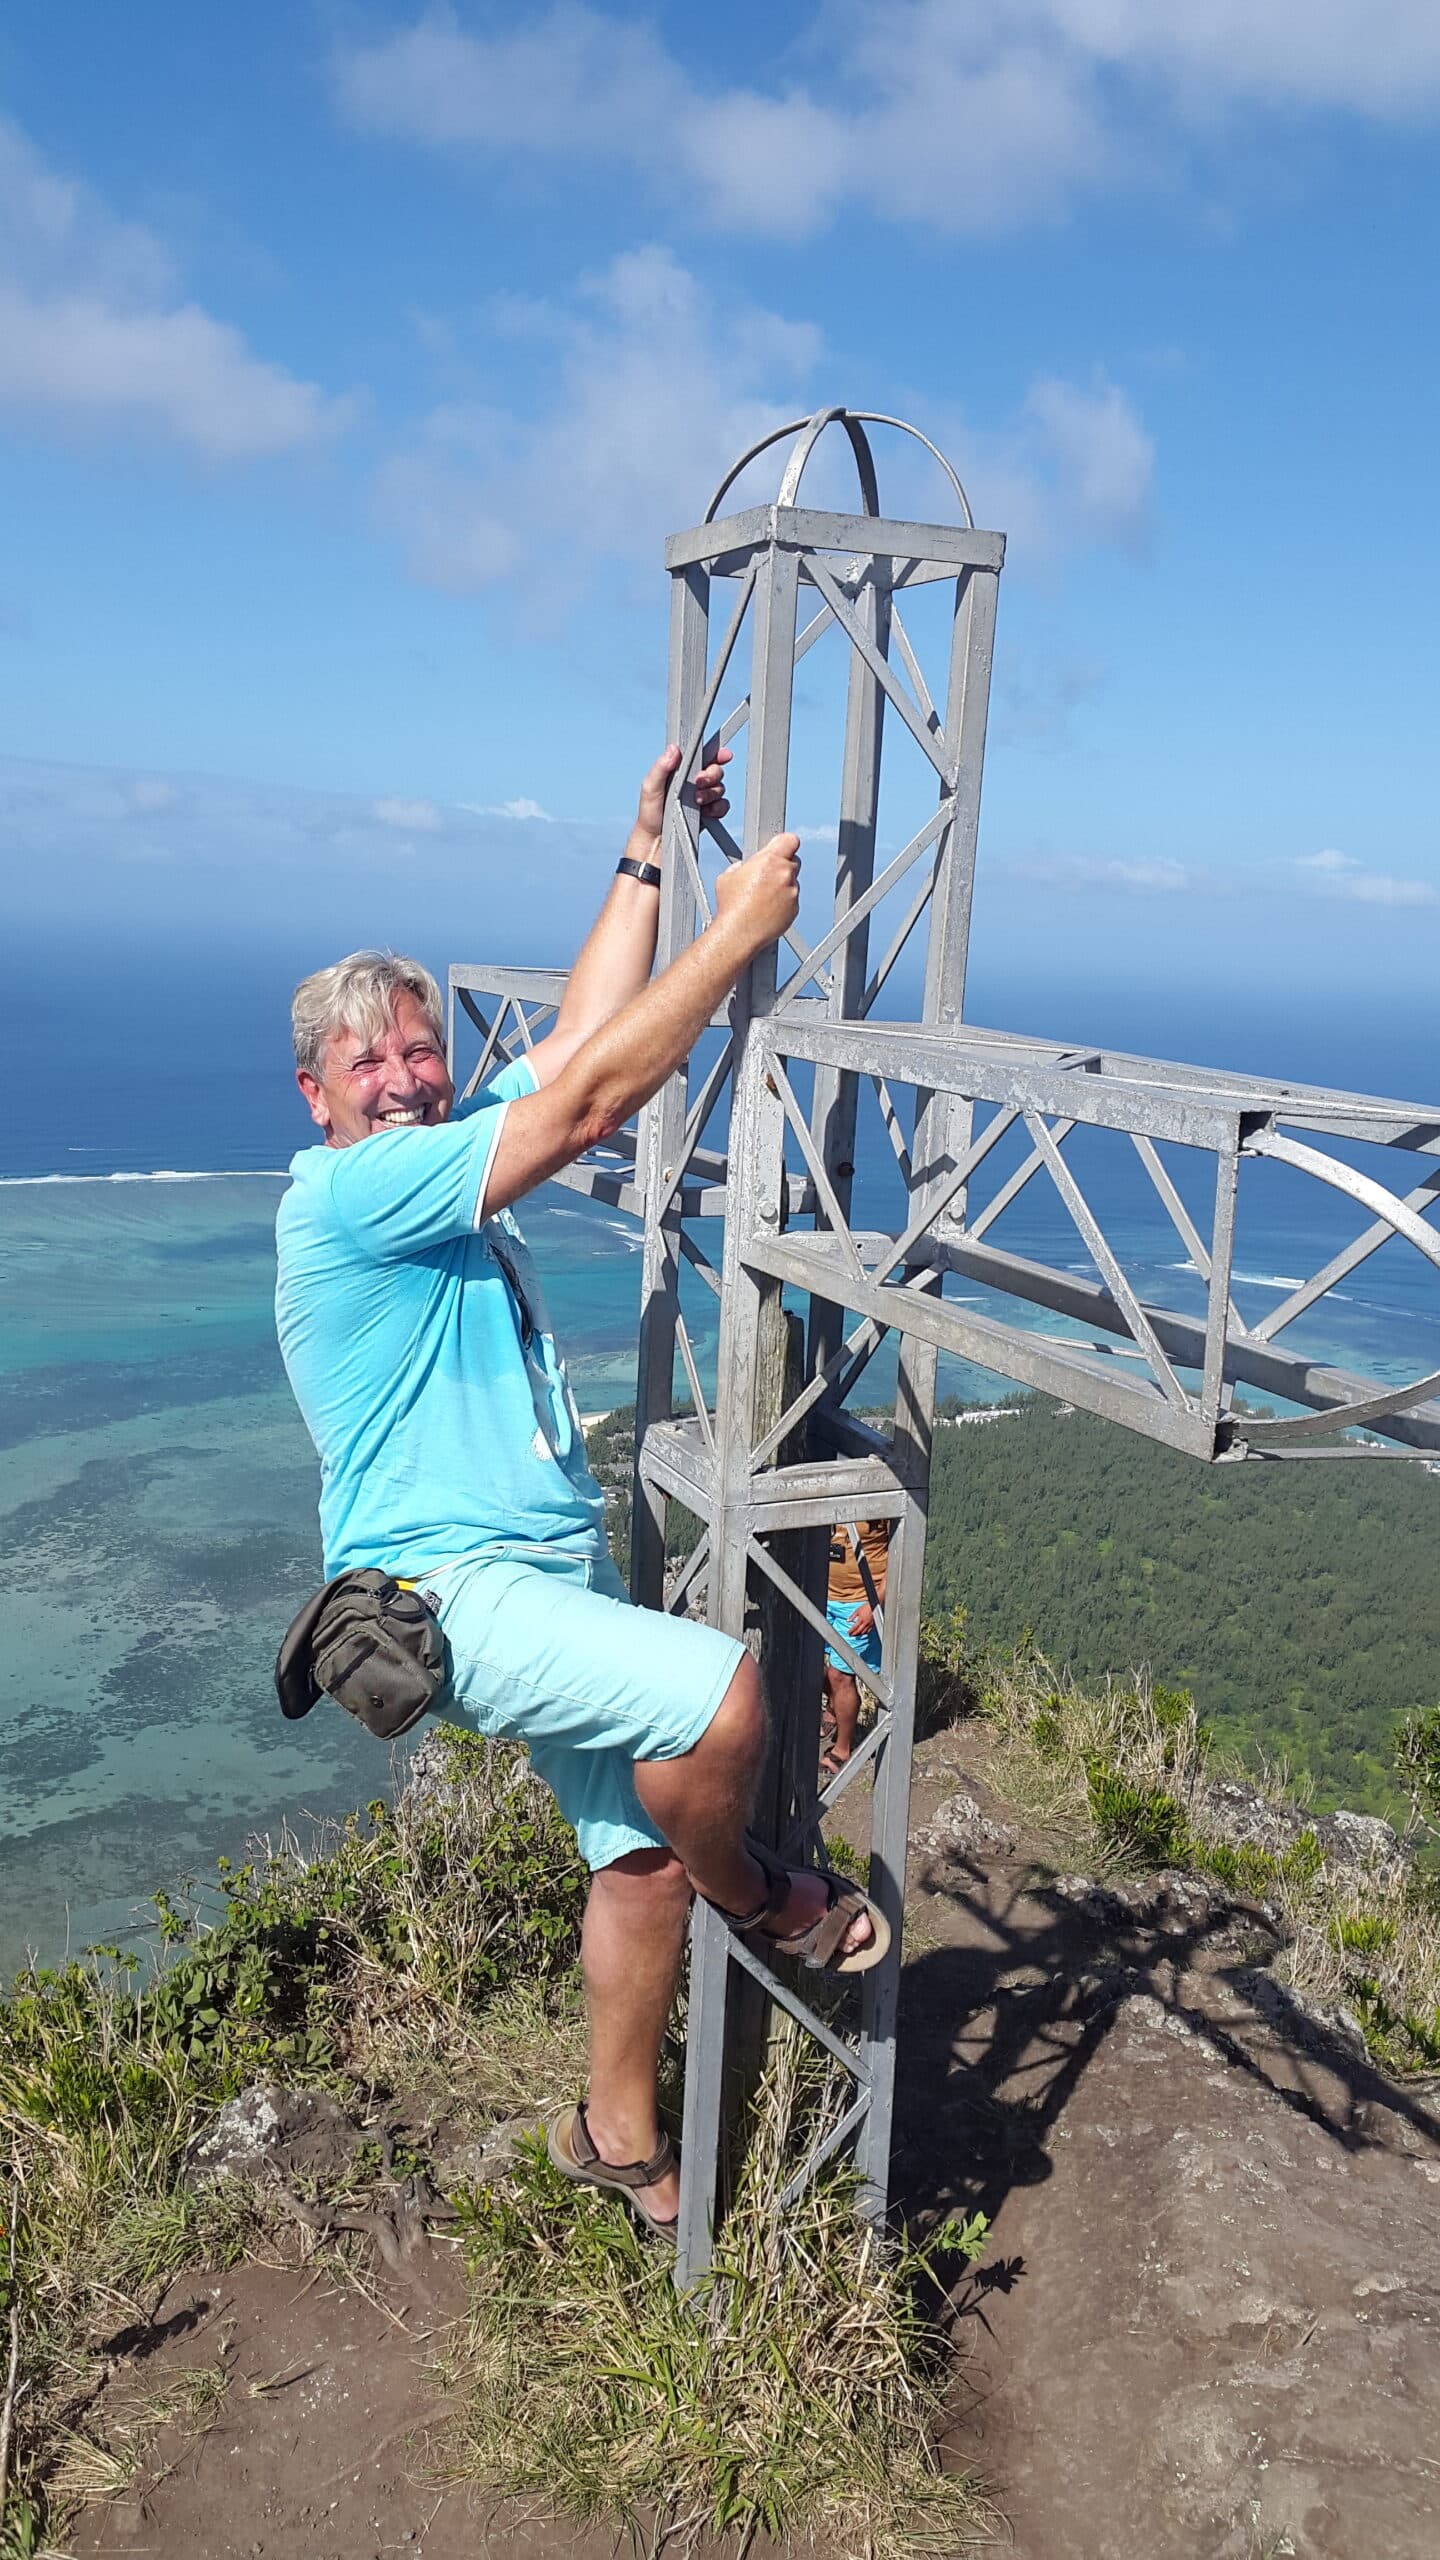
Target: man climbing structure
{"x":451,"y":1453}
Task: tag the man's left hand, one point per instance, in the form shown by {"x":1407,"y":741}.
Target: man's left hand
{"x":708,"y":790}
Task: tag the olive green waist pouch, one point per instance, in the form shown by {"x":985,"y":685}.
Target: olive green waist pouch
{"x":369,"y":1643}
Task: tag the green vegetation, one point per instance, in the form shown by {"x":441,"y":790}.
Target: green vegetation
{"x":1298,"y":1604}
{"x":395,"y":1954}
{"x":801,"y":2393}
{"x":1115,"y":1775}
{"x":424,"y":1958}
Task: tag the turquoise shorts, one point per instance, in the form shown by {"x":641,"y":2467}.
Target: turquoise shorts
{"x":840,"y":1613}
{"x":548,"y":1648}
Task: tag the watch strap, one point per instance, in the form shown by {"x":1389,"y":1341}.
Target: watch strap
{"x":647,"y":873}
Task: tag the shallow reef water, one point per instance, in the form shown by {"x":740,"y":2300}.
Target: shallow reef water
{"x":157,"y":1531}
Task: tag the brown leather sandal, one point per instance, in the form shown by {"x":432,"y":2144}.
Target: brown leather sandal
{"x":571,"y":2146}
{"x":820,"y":1946}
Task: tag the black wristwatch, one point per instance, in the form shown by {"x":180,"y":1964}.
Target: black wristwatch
{"x":647,"y":873}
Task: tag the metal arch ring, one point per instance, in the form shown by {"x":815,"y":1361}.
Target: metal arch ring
{"x":794,"y":472}
{"x":877,"y":418}
{"x":1348,"y":1179}
{"x":810,"y":430}
{"x":777,"y":435}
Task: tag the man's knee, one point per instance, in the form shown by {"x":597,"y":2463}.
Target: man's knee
{"x":645,"y":1885}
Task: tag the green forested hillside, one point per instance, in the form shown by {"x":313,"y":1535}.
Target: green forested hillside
{"x":1301,"y":1604}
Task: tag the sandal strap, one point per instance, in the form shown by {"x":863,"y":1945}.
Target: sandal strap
{"x":627,"y":2173}
{"x":777,"y":1889}
{"x":825,"y":1936}
{"x":818,"y":1945}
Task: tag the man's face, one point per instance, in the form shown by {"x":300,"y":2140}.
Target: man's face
{"x":399,"y":1081}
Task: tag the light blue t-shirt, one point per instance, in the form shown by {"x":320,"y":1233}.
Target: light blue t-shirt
{"x":416,"y":1341}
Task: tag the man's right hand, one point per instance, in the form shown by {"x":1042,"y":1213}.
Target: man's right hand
{"x":759,"y":898}
{"x":629,"y":1057}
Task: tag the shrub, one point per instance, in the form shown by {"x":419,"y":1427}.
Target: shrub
{"x":1417,"y":1762}
{"x":1142,"y":1825}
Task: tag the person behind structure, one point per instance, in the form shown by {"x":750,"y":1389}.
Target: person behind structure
{"x":417,"y":1344}
{"x":855,"y":1595}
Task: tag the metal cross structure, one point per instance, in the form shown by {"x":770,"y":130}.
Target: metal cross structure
{"x":958,"y":1135}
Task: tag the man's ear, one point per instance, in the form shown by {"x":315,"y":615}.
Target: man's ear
{"x":314,"y":1093}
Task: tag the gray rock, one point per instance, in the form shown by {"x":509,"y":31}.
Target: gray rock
{"x":428,"y":1783}
{"x":1230,"y":1810}
{"x":477,"y":2160}
{"x":291,"y":2129}
{"x":958,"y":1823}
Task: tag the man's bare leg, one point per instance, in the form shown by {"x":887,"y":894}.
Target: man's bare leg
{"x":842,"y":1698}
{"x":635,"y":1919}
{"x":630,"y":1949}
{"x":702,"y":1802}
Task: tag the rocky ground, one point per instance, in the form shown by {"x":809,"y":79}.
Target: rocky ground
{"x":1208,"y":2327}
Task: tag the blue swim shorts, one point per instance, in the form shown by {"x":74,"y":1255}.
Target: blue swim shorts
{"x":547,"y":1647}
{"x":840,"y":1613}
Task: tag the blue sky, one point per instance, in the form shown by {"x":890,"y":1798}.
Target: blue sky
{"x":355,"y":360}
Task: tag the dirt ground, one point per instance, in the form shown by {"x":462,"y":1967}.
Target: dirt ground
{"x":1208,"y":2327}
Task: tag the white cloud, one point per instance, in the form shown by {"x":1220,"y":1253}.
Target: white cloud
{"x":658,"y":390}
{"x":1338,"y":875}
{"x":1154,"y":877}
{"x":93,"y":330}
{"x":153,"y":792}
{"x":1379,"y":889}
{"x":655,"y":391}
{"x":420,"y":817}
{"x":95,"y":842}
{"x":1324,"y":875}
{"x":528,"y":811}
{"x":1076,"y":468}
{"x":960,"y":115}
{"x":579,"y":78}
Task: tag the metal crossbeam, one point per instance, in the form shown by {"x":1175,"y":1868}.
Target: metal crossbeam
{"x":972,"y":1124}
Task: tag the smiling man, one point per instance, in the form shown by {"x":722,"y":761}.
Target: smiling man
{"x":451,"y":1453}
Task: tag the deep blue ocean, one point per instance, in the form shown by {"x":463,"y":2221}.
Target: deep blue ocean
{"x":158,"y":1495}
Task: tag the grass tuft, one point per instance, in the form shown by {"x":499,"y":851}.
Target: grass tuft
{"x":801,"y":2391}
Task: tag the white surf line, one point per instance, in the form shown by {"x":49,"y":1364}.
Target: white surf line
{"x":237,"y":1173}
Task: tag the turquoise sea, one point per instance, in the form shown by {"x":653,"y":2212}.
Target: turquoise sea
{"x":157,"y":1499}
{"x":157,"y":1530}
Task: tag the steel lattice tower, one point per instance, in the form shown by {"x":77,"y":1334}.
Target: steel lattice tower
{"x":763,"y":1131}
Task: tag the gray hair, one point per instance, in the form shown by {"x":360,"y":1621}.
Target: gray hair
{"x":358,"y":993}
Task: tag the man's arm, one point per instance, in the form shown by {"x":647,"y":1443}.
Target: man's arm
{"x":864,"y":1617}
{"x":630,"y":1056}
{"x":619,"y":951}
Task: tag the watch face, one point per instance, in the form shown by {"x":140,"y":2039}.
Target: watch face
{"x":837,"y":1551}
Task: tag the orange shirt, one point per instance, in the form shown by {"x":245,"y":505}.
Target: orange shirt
{"x":845,"y":1579}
